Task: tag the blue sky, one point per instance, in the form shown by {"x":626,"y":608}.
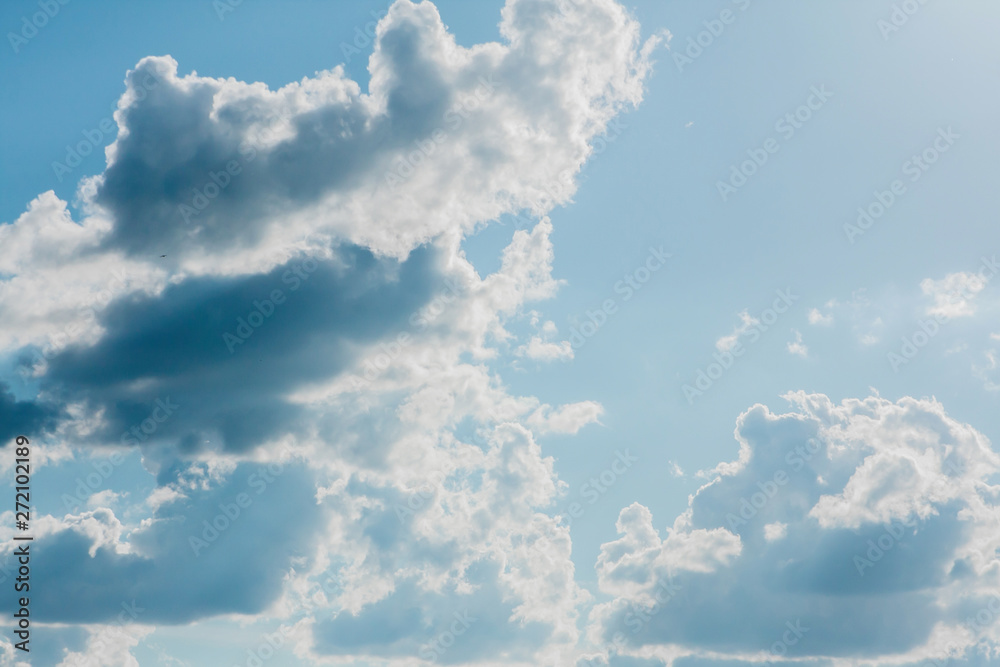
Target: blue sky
{"x":494,"y":181}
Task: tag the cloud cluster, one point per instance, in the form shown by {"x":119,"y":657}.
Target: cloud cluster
{"x":274,"y":278}
{"x":869,"y":526}
{"x":265,"y":296}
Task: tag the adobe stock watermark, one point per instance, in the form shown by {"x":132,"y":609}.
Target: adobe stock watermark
{"x":598,"y":485}
{"x":59,"y":340}
{"x":217,"y":181}
{"x":792,"y":636}
{"x":271,"y":643}
{"x":750,"y":507}
{"x":628,"y":286}
{"x":30,"y":27}
{"x":640,"y":616}
{"x":598,"y":144}
{"x":363,"y":36}
{"x":785,"y":126}
{"x":898,"y":17}
{"x":930,"y":327}
{"x":438,"y":646}
{"x":265,"y":650}
{"x":87,"y":486}
{"x":985,"y":617}
{"x":879,"y":547}
{"x":316,"y":593}
{"x":263,"y":310}
{"x":420,"y":495}
{"x":223,"y":7}
{"x":752,"y":328}
{"x":637,"y":618}
{"x":163,"y":409}
{"x":915,"y":167}
{"x":108,"y":637}
{"x":418,"y":321}
{"x":96,"y":137}
{"x":611,"y":132}
{"x":976,"y":624}
{"x":713,"y":30}
{"x":230,"y":512}
{"x":407,"y":164}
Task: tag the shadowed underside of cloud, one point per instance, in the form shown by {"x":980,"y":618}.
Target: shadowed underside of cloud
{"x":175,"y":568}
{"x":866,"y":530}
{"x":227,"y":350}
{"x":863,"y":531}
{"x":19,"y":417}
{"x":877,"y":541}
{"x":146,"y":323}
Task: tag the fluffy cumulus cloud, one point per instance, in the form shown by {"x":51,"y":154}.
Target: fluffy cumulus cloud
{"x":263,"y":298}
{"x":264,"y":294}
{"x":865,"y":532}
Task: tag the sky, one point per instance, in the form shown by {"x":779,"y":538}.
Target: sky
{"x":536,"y":332}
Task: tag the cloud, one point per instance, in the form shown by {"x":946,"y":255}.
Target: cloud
{"x":19,"y":417}
{"x":989,"y":371}
{"x":797,"y":346}
{"x":541,"y":350}
{"x":818,"y":318}
{"x":243,"y":255}
{"x":108,"y":646}
{"x":870,"y":525}
{"x":437,"y":144}
{"x":775,"y":531}
{"x":747,"y":322}
{"x":863,"y":312}
{"x":177,"y":566}
{"x":953,"y":295}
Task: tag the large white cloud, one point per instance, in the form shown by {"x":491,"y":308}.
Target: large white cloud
{"x":865,"y":532}
{"x":426,"y":492}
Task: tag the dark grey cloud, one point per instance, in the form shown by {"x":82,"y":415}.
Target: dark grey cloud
{"x":23,"y":417}
{"x":186,"y":347}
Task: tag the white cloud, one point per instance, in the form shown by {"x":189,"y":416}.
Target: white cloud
{"x":569,"y":418}
{"x":797,"y":346}
{"x":954,"y":294}
{"x":541,"y":350}
{"x":775,"y":531}
{"x":747,"y":322}
{"x":873,"y":524}
{"x":109,"y":646}
{"x":818,"y":318}
{"x":426,"y":489}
